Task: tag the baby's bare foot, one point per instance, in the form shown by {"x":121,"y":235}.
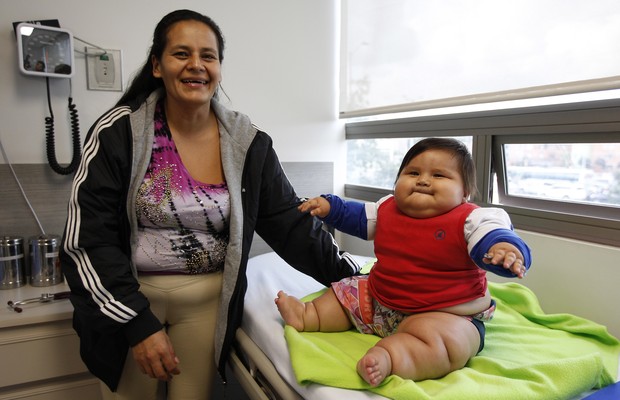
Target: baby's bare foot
{"x":375,"y":366}
{"x":291,"y":309}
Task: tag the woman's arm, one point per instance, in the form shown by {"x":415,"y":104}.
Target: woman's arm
{"x":297,"y":237}
{"x":95,"y":254}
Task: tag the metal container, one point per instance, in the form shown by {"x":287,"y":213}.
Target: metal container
{"x":44,"y":263}
{"x":12,"y":270}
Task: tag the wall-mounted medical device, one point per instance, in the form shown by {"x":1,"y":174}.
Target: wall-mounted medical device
{"x":45,"y":51}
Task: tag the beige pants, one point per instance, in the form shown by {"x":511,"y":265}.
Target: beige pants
{"x":187,"y":305}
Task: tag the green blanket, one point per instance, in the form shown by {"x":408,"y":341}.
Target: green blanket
{"x":528,"y":355}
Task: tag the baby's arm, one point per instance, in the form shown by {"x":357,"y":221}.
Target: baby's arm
{"x":508,"y":256}
{"x":317,"y":206}
{"x":493,"y":244}
{"x":345,"y":215}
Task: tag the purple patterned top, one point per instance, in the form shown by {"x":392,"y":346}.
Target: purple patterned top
{"x":182,"y":223}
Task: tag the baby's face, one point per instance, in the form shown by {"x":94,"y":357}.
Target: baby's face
{"x":430,"y":185}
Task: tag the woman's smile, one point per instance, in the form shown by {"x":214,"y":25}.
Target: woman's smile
{"x":194,"y":82}
{"x":189,"y":66}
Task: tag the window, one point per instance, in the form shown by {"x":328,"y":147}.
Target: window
{"x":374,"y":162}
{"x":554,"y":168}
{"x":586,"y":173}
{"x":403,"y":55}
{"x":521,"y":83}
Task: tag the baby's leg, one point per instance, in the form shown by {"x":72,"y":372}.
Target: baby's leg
{"x":426,"y":346}
{"x":295,"y":313}
{"x":375,"y":366}
{"x":324,"y":314}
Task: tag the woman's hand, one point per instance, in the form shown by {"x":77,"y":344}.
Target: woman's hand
{"x":508,"y":256}
{"x":156,"y":358}
{"x":317,"y":206}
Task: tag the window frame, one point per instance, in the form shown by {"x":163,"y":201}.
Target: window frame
{"x":583,"y":122}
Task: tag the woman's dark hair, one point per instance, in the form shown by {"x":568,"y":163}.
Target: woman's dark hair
{"x":457,"y":148}
{"x":144,"y":83}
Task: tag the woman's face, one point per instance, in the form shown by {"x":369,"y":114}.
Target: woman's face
{"x":429,"y":185}
{"x":190,"y":64}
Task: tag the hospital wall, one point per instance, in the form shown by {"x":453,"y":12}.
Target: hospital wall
{"x":279,"y":68}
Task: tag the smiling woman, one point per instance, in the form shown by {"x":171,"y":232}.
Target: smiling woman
{"x":169,"y":179}
{"x":189,"y":68}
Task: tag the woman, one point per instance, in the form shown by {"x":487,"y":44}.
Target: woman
{"x":163,"y":209}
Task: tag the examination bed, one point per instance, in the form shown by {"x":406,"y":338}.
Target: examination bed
{"x":262,"y":361}
{"x":267,"y":356}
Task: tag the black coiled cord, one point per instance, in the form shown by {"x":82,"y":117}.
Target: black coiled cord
{"x":50,"y":140}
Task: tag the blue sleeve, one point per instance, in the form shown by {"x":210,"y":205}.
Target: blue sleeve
{"x":496,"y":236}
{"x":347,"y":216}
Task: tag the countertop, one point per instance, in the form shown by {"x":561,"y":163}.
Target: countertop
{"x":34,"y":313}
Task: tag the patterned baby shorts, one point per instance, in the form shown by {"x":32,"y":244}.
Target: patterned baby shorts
{"x":370,"y":317}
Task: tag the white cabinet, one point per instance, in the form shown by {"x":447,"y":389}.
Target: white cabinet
{"x":39,"y":350}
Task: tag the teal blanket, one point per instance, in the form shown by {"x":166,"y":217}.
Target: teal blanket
{"x":528,"y":355}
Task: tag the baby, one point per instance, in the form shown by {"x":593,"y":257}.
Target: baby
{"x":426,"y":296}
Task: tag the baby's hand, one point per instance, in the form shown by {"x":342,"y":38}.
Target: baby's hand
{"x":317,"y":206}
{"x":508,"y":256}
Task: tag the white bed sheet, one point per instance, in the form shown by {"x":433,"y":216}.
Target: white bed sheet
{"x":267,"y":274}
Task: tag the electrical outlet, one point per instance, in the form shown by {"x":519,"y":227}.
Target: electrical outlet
{"x":103,"y":69}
